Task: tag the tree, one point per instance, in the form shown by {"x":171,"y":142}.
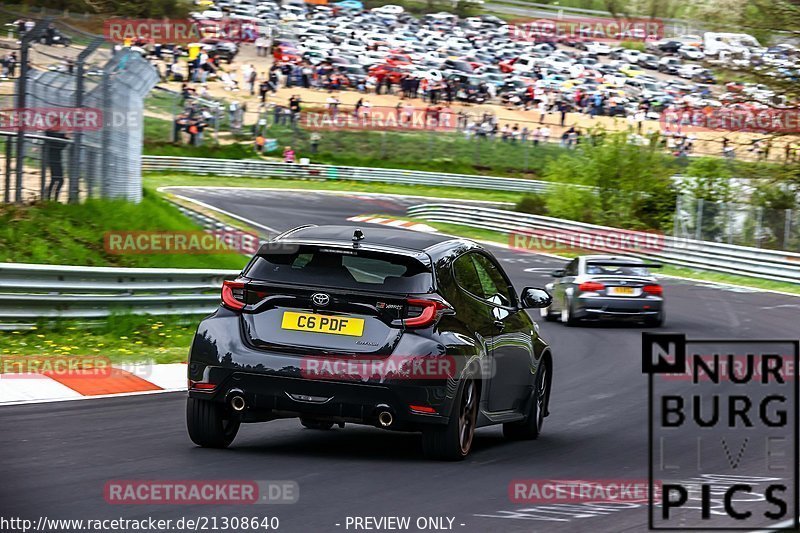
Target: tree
{"x":620,"y":183}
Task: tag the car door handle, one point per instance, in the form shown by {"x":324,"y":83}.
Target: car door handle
{"x":500,"y":325}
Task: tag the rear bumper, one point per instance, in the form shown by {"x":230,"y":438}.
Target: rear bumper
{"x":618,"y":308}
{"x":269,"y":397}
{"x":274,"y":384}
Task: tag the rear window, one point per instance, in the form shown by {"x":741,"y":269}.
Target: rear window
{"x":617,"y":270}
{"x":343,"y":268}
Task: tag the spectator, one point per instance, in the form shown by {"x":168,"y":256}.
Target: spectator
{"x":53,"y":146}
{"x":263,"y":88}
{"x":294,"y":108}
{"x":262,"y":44}
{"x":288,"y":155}
{"x":314,"y":139}
{"x":545,"y":134}
{"x":252,"y":77}
{"x":563,"y":108}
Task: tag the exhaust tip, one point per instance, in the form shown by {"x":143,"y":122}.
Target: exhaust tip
{"x":385,"y":419}
{"x":237,"y":402}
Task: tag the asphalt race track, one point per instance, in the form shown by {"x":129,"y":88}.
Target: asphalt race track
{"x":57,"y":457}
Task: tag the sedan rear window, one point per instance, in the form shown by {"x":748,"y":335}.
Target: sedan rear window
{"x":343,"y":268}
{"x":617,"y":270}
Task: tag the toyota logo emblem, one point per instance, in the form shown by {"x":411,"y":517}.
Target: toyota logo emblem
{"x":320,"y":299}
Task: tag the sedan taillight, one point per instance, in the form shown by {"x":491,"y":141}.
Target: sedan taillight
{"x":653,"y":290}
{"x":591,"y":286}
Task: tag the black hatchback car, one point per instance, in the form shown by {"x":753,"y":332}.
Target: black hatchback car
{"x":398,"y":329}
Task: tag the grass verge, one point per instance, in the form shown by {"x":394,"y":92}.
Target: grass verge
{"x":154,"y":180}
{"x":72,"y":234}
{"x":120,"y":338}
{"x":426,"y":151}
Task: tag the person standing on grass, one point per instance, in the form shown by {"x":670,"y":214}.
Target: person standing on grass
{"x":53,"y":147}
{"x":315,"y":138}
{"x":288,"y":155}
{"x":260,"y":141}
{"x":294,"y":108}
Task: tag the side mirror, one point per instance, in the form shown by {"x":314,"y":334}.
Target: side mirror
{"x":535,"y":298}
{"x":558,"y":273}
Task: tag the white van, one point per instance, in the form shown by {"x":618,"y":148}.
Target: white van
{"x":714,"y":43}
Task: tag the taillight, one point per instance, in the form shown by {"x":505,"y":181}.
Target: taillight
{"x":591,"y":286}
{"x":424,"y":409}
{"x":423,"y":313}
{"x":200,"y":385}
{"x":653,"y":290}
{"x":233,"y":295}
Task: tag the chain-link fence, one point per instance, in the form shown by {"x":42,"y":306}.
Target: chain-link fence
{"x":73,"y":128}
{"x":741,"y":224}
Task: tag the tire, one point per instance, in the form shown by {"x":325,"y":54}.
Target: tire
{"x":453,"y":442}
{"x":545,"y":313}
{"x":531,"y":427}
{"x":656,"y":321}
{"x":315,"y":424}
{"x":568,"y":315}
{"x":207,"y":424}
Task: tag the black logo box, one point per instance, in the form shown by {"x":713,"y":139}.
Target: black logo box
{"x":676,"y":364}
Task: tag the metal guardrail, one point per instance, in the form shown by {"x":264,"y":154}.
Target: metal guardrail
{"x":272,"y":169}
{"x":703,"y":255}
{"x":31,"y":291}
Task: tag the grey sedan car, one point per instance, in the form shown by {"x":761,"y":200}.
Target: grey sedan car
{"x":606,"y":287}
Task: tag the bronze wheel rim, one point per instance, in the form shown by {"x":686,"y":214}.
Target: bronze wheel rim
{"x":467,"y":417}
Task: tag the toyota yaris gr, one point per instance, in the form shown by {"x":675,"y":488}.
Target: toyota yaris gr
{"x":401,"y":330}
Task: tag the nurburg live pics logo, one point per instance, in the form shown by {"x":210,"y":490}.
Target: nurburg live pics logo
{"x":734,"y":419}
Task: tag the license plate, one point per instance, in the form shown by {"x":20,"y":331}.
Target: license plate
{"x":622,"y":291}
{"x":322,"y":323}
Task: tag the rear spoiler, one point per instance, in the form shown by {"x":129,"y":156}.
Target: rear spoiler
{"x":618,"y":264}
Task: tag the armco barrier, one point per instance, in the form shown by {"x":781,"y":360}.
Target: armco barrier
{"x":254,"y":168}
{"x":755,"y":262}
{"x":30,"y":291}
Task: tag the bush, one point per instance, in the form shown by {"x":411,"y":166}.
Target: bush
{"x":625,"y":185}
{"x":573,"y":203}
{"x":534,"y":204}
